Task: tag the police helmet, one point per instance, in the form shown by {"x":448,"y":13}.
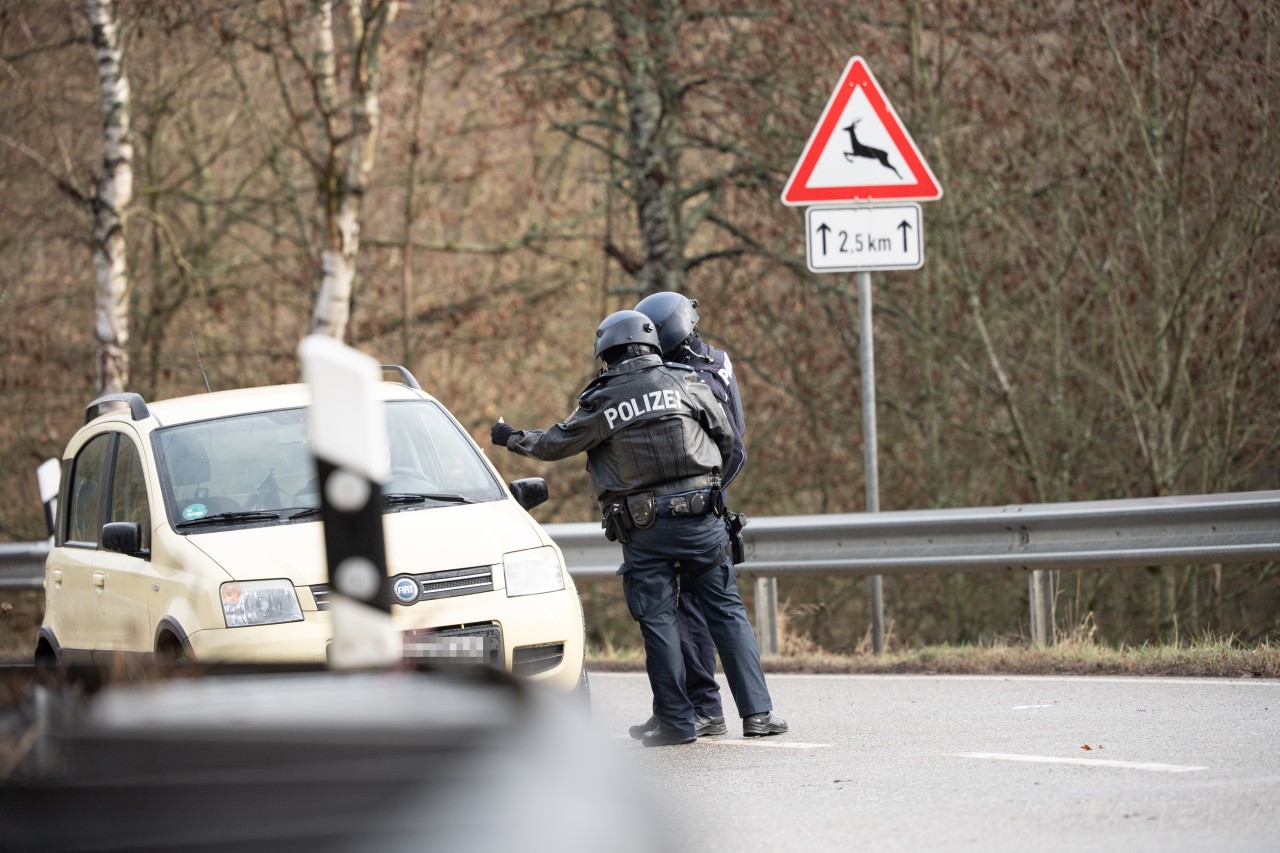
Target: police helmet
{"x":674,"y":315}
{"x":626,"y":327}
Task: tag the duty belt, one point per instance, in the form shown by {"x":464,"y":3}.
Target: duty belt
{"x":638,"y":511}
{"x":685,"y":503}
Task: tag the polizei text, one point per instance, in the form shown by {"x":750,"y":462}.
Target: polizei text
{"x":628,"y":410}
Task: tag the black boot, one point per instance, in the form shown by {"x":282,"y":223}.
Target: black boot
{"x":638,"y":732}
{"x":663,"y":736}
{"x":763,"y":724}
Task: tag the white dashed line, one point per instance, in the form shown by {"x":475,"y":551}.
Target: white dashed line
{"x":1087,"y":762}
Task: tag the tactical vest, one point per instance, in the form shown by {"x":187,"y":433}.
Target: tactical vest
{"x":645,"y":426}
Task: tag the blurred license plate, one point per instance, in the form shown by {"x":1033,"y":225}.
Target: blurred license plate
{"x":466,"y":648}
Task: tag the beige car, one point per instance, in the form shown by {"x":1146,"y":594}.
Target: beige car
{"x":190,"y":529}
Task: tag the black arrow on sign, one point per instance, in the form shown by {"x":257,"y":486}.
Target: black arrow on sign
{"x":905,"y":226}
{"x":823,"y":229}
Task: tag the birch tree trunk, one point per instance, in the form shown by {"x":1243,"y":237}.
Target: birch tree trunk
{"x":344,"y":189}
{"x":110,"y":201}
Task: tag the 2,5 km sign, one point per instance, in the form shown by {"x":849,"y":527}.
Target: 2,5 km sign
{"x":883,"y":237}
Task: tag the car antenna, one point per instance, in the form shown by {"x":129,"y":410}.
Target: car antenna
{"x":201,"y":363}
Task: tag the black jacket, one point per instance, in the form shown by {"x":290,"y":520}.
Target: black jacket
{"x":716,"y":369}
{"x":645,"y":426}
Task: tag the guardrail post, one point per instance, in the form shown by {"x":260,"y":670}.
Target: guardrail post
{"x":767,"y":615}
{"x":1040,"y":585}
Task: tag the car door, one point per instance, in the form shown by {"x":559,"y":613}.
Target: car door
{"x":124,"y":581}
{"x":71,"y":601}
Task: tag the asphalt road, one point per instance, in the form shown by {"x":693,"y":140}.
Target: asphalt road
{"x":921,"y":763}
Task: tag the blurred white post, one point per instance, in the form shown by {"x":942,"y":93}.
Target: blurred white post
{"x":348,"y":433}
{"x":49,"y":476}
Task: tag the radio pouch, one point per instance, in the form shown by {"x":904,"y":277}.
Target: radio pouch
{"x":642,"y":509}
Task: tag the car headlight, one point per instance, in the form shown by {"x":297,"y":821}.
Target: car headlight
{"x":259,"y":603}
{"x":532,"y":572}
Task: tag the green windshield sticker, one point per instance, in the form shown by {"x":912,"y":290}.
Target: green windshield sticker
{"x":195,"y":511}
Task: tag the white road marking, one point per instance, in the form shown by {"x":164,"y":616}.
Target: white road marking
{"x":1025,"y":707}
{"x":769,"y":742}
{"x":1271,"y":683}
{"x":1089,"y":762}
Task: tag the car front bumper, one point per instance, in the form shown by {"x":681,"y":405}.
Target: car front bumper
{"x":530,"y":629}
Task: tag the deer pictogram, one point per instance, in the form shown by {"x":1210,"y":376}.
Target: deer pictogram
{"x":860,"y":150}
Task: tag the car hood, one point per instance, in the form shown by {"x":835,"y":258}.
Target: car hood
{"x":418,"y":540}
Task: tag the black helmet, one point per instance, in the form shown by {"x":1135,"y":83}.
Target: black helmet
{"x":626,"y":327}
{"x":674,"y":314}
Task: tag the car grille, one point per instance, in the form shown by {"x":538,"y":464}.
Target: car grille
{"x":430,"y":585}
{"x":527,"y":660}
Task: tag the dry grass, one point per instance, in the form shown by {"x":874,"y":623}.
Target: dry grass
{"x":1074,"y":654}
{"x":1218,"y":661}
{"x":20,"y":612}
{"x":1076,"y":651}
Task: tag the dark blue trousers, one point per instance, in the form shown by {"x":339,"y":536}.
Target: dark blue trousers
{"x":690,"y":550}
{"x":699,"y":652}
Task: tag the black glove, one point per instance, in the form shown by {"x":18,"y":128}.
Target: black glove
{"x":501,"y":432}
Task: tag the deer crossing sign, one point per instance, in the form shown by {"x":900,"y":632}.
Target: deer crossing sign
{"x":859,"y":151}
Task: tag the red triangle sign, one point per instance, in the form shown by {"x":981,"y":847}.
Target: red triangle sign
{"x":859,"y":150}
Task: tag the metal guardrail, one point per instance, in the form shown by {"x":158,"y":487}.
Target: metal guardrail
{"x":22,"y":564}
{"x":1167,"y":531}
{"x":1186,"y":530}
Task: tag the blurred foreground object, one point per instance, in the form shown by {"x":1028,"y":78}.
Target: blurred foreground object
{"x":467,"y":758}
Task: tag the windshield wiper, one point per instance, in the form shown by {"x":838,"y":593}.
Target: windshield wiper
{"x":232,"y":517}
{"x":420,"y":497}
{"x":303,"y":513}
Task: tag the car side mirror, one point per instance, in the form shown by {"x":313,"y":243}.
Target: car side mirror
{"x":123,"y":537}
{"x":529,"y":492}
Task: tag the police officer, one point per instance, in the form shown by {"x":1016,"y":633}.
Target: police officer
{"x":676,"y":317}
{"x":655,"y":438}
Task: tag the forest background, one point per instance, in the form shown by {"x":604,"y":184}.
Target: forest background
{"x":467,"y":188}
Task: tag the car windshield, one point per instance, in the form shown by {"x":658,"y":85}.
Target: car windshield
{"x":258,"y":469}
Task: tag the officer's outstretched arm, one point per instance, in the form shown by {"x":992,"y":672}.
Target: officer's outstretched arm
{"x":578,"y":434}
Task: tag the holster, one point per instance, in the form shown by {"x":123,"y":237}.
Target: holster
{"x":735,"y":521}
{"x":616,"y":522}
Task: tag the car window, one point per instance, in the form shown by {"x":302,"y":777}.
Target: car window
{"x":426,"y":444}
{"x":261,"y":462}
{"x":249,"y":462}
{"x":129,"y":488}
{"x":88,"y":473}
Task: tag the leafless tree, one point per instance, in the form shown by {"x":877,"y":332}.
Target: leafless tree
{"x":111,"y":201}
{"x":354,"y":127}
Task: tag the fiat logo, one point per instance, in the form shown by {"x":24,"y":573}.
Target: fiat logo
{"x":405,"y":590}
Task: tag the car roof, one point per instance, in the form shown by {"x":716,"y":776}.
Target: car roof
{"x":219,"y":404}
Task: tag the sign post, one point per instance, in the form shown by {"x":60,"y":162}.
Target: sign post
{"x":860,"y":157}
